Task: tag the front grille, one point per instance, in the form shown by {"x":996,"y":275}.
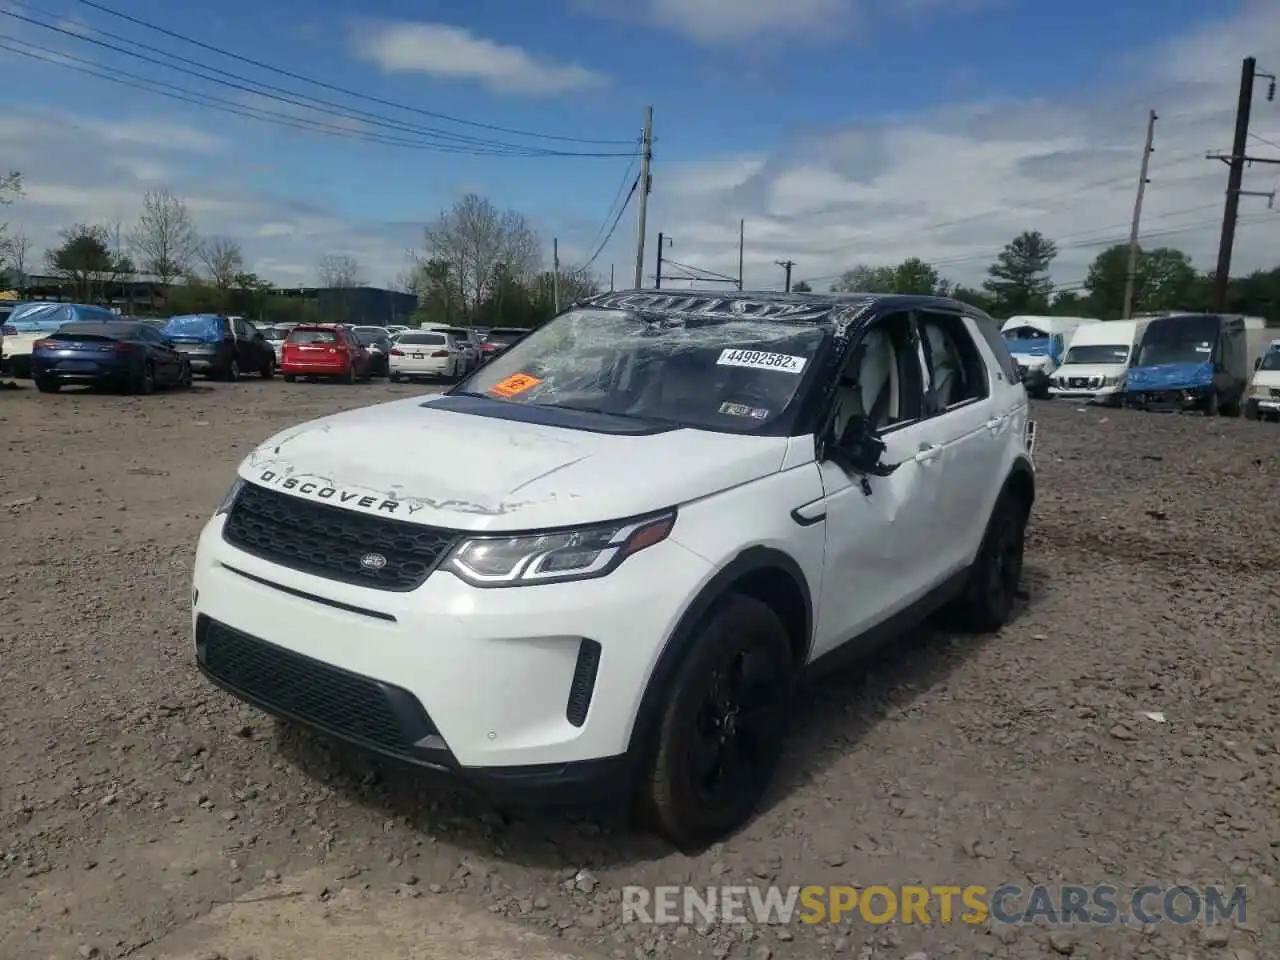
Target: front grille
{"x":331,"y":699}
{"x":1275,"y":393}
{"x":332,"y":542}
{"x":1078,"y":382}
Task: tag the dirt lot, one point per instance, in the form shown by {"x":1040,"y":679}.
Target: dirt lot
{"x":143,"y":813}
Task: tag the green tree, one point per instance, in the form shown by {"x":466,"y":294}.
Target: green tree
{"x":1164,"y":279}
{"x":432,"y":283}
{"x":866,"y":279}
{"x":977,"y":298}
{"x":85,"y":261}
{"x":801,"y":287}
{"x":1019,"y":280}
{"x":913,"y":275}
{"x":1069,"y":303}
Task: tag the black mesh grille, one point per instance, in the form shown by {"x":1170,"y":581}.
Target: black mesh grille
{"x":332,"y":699}
{"x":331,"y":542}
{"x":584,"y":682}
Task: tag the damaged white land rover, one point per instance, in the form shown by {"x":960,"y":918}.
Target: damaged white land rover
{"x":600,"y":566}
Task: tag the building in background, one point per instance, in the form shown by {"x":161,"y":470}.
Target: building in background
{"x":369,"y":306}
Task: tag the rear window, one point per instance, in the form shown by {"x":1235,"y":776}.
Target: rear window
{"x":313,"y":336}
{"x":422,"y":339}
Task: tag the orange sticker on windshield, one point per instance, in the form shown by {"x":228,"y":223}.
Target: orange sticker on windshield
{"x":514,"y":384}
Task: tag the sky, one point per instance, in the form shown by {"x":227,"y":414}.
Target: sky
{"x":839,"y":132}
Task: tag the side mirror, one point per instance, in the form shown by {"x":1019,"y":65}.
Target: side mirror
{"x":859,"y":449}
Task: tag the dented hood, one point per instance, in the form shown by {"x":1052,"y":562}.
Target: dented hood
{"x":468,"y":472}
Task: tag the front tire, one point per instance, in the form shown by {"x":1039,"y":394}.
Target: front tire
{"x":1213,"y":406}
{"x":46,"y":385}
{"x":233,"y":371}
{"x":722,"y":727}
{"x":146,"y":382}
{"x":269,"y":370}
{"x":185,"y":378}
{"x":988,"y":598}
{"x":350,"y":376}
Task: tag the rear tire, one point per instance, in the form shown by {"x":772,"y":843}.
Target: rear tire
{"x":722,"y":726}
{"x":45,"y":385}
{"x":289,"y":378}
{"x":394,"y":377}
{"x":185,"y":377}
{"x":988,"y":597}
{"x":145,"y":383}
{"x":233,"y":371}
{"x":269,"y":371}
{"x":350,"y":376}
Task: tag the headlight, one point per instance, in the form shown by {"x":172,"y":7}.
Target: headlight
{"x":555,"y":557}
{"x":230,"y":498}
{"x":1116,"y":381}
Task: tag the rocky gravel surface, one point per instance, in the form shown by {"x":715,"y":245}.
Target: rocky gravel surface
{"x":1123,"y":730}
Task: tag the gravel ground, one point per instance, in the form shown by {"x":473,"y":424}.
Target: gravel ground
{"x":136,"y":801}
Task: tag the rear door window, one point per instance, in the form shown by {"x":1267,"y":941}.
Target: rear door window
{"x":313,"y":336}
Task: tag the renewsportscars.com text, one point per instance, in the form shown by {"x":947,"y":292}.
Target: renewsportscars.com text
{"x":1008,"y":904}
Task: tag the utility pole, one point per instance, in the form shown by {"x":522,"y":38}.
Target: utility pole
{"x":1131,"y":275}
{"x":1236,"y":162}
{"x":663,"y":242}
{"x":786,"y":265}
{"x":742,"y":234}
{"x":611,"y":278}
{"x":646,"y":183}
{"x":555,"y":272}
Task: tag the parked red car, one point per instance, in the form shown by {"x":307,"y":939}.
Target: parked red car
{"x":324,"y":350}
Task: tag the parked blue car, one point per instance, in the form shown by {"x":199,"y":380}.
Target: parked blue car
{"x":128,"y":355}
{"x":32,"y":320}
{"x":221,"y":347}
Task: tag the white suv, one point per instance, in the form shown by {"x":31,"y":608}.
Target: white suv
{"x":601,"y":565}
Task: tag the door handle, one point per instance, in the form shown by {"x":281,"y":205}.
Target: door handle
{"x":928,"y":453}
{"x":995,"y":423}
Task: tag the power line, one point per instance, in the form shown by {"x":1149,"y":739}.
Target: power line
{"x":614,"y":226}
{"x":622,"y":186}
{"x":257,"y":88}
{"x":134,"y":81}
{"x":512,"y":131}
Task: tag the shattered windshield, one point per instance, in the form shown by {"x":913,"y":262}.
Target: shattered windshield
{"x":728,"y":374}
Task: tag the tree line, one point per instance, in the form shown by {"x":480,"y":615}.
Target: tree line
{"x":1019,"y":282}
{"x":483,"y":265}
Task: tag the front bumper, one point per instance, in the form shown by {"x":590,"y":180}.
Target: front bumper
{"x":1108,"y":395}
{"x":1187,"y":398}
{"x":1262,"y":406}
{"x":481,"y":684}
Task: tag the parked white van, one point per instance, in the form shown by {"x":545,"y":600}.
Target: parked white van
{"x":1263,"y":401}
{"x":1097,"y":361}
{"x":1038,"y":345}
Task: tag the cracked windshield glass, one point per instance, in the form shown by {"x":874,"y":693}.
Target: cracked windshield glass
{"x":727,"y":374}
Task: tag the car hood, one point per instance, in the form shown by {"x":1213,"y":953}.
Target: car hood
{"x":1170,"y":376}
{"x":1267,"y":378}
{"x":468,"y":472}
{"x":1091,"y":370}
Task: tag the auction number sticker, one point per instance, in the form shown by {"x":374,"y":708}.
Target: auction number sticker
{"x":515,"y":384}
{"x":757,"y":360}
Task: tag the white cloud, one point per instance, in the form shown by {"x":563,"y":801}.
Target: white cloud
{"x":954,"y":184}
{"x":728,"y":23}
{"x":80,"y":170}
{"x":453,"y":53}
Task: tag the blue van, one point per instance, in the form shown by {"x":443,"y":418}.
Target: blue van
{"x":1191,"y":361}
